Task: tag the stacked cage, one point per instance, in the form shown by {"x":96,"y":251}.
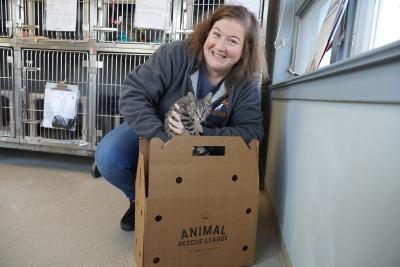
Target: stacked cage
{"x":42,"y":66}
{"x":194,"y":12}
{"x":5,"y":19}
{"x":116,"y":23}
{"x":105,"y":43}
{"x":32,"y":22}
{"x":112,"y":72}
{"x":7,"y":93}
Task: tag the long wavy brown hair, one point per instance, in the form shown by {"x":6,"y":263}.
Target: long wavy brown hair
{"x":253,"y":59}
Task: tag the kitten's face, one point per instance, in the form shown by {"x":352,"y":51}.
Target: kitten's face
{"x":199,"y":110}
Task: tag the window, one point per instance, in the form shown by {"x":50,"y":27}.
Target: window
{"x":327,"y":31}
{"x":312,"y":34}
{"x":309,"y":26}
{"x":376,"y":24}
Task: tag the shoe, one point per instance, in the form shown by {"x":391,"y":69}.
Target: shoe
{"x":95,"y":171}
{"x":128,"y":220}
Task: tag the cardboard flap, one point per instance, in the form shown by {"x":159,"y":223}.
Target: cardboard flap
{"x":140,"y":193}
{"x":144,"y":150}
{"x":254,"y":145}
{"x":174,"y":170}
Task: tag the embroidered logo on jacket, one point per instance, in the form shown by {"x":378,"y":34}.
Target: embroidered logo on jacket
{"x":219,"y":114}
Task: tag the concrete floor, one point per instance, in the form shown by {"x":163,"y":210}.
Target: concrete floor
{"x":53,"y":213}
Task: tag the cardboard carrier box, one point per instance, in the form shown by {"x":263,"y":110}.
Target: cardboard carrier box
{"x":196,"y":211}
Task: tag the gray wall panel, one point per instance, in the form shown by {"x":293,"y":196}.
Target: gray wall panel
{"x":333,"y":164}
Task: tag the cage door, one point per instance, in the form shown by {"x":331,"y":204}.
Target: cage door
{"x":41,"y":67}
{"x":33,"y":16}
{"x":192,"y":13}
{"x":114,"y":67}
{"x":7,"y":94}
{"x":116,"y":24}
{"x":5,"y":19}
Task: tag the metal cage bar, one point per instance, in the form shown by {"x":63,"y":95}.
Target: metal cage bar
{"x":194,"y":12}
{"x":40,"y":67}
{"x":116,"y":24}
{"x":5,"y":19}
{"x":114,"y":68}
{"x":7,"y":93}
{"x":32,"y":22}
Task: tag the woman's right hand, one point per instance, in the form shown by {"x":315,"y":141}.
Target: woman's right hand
{"x":175,"y":123}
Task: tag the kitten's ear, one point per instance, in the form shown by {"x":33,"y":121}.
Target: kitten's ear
{"x":208,"y":97}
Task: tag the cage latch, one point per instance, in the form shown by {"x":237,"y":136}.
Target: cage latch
{"x":28,"y":27}
{"x":29,"y":66}
{"x":105,"y":29}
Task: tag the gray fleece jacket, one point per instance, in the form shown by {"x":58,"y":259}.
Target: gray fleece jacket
{"x":149,"y":91}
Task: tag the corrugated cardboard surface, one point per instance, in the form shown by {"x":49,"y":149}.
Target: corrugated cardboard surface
{"x":196,"y":211}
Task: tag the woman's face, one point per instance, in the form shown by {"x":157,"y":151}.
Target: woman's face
{"x":223,"y":47}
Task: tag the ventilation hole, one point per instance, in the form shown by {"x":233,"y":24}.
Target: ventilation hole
{"x":248,"y":211}
{"x":136,"y":240}
{"x":245,"y":248}
{"x":141,"y":212}
{"x":179,"y":180}
{"x":158,"y":218}
{"x":156,"y":260}
{"x":234,"y":178}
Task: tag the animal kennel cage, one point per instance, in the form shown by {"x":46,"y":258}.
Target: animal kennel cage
{"x":112,"y":72}
{"x":116,"y":23}
{"x":43,"y":66}
{"x":7,"y":93}
{"x":5,"y":19}
{"x":193,"y":12}
{"x":32,"y":17}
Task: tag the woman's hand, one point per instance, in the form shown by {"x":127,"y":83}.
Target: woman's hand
{"x":197,"y":126}
{"x":175,"y":123}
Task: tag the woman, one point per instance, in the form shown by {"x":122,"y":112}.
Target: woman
{"x":223,"y":56}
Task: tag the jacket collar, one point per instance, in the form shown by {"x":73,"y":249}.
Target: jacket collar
{"x":220,"y":92}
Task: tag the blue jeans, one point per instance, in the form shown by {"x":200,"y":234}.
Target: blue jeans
{"x":117,"y":156}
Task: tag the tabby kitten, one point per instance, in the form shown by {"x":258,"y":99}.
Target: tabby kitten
{"x":191,"y":109}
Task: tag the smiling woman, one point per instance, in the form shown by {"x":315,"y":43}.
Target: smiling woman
{"x":222,"y":58}
{"x":233,"y":21}
{"x":223,"y":49}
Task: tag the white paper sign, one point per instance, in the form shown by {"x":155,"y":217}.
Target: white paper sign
{"x":61,"y":15}
{"x":252,"y":5}
{"x":60,"y":104}
{"x":151,"y":14}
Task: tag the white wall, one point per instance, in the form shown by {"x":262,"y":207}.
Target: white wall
{"x":333,"y":163}
{"x":334,"y":177}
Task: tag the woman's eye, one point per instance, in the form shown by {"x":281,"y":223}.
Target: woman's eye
{"x":233,"y":41}
{"x":216,"y":34}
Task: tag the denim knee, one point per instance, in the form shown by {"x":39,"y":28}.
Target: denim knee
{"x":116,"y":158}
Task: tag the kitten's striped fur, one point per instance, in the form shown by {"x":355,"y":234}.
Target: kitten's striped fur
{"x":190,"y":109}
